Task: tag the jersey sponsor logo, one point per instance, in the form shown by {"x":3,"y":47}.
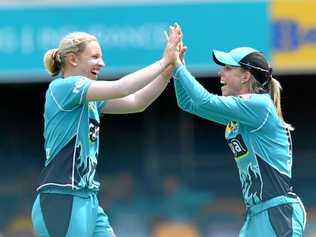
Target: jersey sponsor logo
{"x":94,"y":130}
{"x":237,"y":146}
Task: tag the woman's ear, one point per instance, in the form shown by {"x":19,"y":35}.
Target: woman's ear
{"x":72,"y":59}
{"x":245,"y":77}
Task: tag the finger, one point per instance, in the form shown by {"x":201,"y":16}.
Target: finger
{"x":183,"y":51}
{"x":181,"y":44}
{"x":177,"y":27}
{"x":171,"y":29}
{"x":179,"y":38}
{"x":166,"y":36}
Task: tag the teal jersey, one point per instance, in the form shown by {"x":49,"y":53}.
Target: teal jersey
{"x":260,"y":141}
{"x":71,"y":135}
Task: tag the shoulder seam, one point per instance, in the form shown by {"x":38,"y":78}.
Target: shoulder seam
{"x":56,"y":102}
{"x":263,"y":123}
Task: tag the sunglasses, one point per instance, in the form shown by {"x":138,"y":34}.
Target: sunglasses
{"x":249,"y":66}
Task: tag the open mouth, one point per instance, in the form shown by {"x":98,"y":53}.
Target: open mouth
{"x":95,"y":72}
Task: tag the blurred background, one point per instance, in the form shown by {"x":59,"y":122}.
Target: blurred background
{"x":163,"y":172}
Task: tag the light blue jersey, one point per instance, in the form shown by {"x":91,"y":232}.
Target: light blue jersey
{"x":259,"y":140}
{"x":262,"y":148}
{"x":71,"y":136}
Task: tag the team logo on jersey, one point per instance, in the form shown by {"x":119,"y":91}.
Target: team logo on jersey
{"x":238,"y":147}
{"x":91,"y":106}
{"x":231,"y":126}
{"x":94,"y":130}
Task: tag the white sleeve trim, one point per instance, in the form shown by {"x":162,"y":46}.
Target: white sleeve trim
{"x":56,"y":102}
{"x":82,"y":93}
{"x":54,"y":184}
{"x":58,"y":105}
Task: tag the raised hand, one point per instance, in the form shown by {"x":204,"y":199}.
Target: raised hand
{"x":173,"y":38}
{"x":181,"y":48}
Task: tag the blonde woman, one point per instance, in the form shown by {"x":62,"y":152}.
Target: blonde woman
{"x":256,"y":133}
{"x":67,"y":204}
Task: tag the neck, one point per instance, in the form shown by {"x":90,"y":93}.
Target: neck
{"x":68,"y":73}
{"x":244,"y":90}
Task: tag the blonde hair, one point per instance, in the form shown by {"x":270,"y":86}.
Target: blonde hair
{"x":274,"y":88}
{"x":76,"y":42}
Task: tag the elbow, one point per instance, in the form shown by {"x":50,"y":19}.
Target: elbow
{"x":141,"y":107}
{"x":140,"y":110}
{"x":187,"y":107}
{"x":137,"y":105}
{"x":185,"y":104}
{"x":181,"y":106}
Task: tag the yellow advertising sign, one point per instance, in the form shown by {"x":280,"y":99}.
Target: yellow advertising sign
{"x":294,"y":35}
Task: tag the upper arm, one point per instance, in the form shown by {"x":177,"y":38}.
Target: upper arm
{"x":186,"y":103}
{"x":106,"y":90}
{"x":191,"y":94}
{"x":251,"y":111}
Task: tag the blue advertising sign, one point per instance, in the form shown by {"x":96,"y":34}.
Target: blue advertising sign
{"x":131,"y":36}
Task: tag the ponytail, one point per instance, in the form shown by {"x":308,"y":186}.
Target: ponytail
{"x":275,"y":89}
{"x":52,"y":62}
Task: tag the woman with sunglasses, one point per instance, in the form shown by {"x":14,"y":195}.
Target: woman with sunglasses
{"x":257,"y":134}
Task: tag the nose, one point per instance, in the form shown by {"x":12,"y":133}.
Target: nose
{"x":101,"y":62}
{"x":219,"y":73}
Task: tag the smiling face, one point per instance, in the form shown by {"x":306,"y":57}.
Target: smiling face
{"x":90,"y":62}
{"x":233,"y":81}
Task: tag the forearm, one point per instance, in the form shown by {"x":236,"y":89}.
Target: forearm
{"x":183,"y":100}
{"x":193,"y":98}
{"x":141,"y":78}
{"x":147,"y":95}
{"x":189,"y":86}
{"x":105,"y":90}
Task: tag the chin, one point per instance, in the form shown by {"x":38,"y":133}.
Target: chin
{"x":223,"y":93}
{"x":93,"y":77}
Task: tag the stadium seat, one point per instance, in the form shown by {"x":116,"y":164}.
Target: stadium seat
{"x":175,"y":230}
